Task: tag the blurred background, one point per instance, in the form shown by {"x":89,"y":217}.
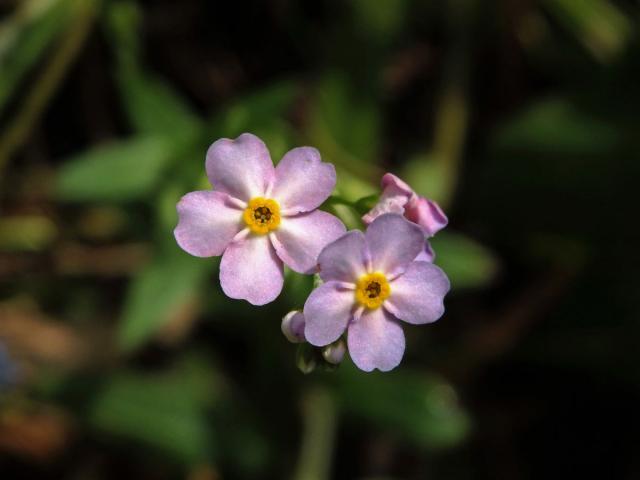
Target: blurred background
{"x":121,"y":358}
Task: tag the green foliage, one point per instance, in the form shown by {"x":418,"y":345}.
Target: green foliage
{"x":119,"y":171}
{"x":262,"y":112}
{"x":467,"y":263}
{"x":24,"y":39}
{"x":153,"y":107}
{"x":345,"y":126}
{"x":598,"y":24}
{"x":419,"y":407}
{"x":556,"y":126}
{"x":26,"y":233}
{"x":382,"y":19}
{"x":158,"y":294}
{"x":166,"y":412}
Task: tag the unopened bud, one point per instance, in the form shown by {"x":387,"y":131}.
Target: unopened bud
{"x":306,"y":358}
{"x":293,"y":326}
{"x":334,"y":353}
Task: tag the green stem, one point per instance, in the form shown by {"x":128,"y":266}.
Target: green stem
{"x":319,"y":414}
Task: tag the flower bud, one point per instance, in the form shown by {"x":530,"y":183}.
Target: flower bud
{"x":293,"y":326}
{"x":306,"y":358}
{"x":334,"y":353}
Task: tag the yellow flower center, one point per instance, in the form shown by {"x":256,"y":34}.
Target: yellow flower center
{"x":372,"y":289}
{"x":262,"y":215}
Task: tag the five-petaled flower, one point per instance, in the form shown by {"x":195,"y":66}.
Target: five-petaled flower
{"x":398,"y":197}
{"x":372,"y":280}
{"x":258,"y":216}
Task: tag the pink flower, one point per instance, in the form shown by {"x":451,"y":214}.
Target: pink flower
{"x":371,"y":282}
{"x":398,"y":197}
{"x":259,"y":217}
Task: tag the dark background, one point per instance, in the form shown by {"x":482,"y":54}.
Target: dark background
{"x":121,"y":358}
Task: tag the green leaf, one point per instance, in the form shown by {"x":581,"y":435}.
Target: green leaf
{"x":429,"y":176}
{"x":598,"y":24}
{"x":152,"y":105}
{"x":27,"y":232}
{"x":158,"y":293}
{"x":556,"y":126}
{"x":25,"y":38}
{"x":165,"y":412}
{"x":467,"y":263}
{"x":381,"y":19}
{"x":118,"y":171}
{"x":345,"y":126}
{"x":421,"y":408}
{"x":262,"y":112}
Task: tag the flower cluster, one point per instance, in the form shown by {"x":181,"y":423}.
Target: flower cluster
{"x":260,"y":218}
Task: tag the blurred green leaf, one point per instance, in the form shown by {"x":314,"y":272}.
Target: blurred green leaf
{"x":29,"y":232}
{"x":297,"y":287}
{"x":152,"y":105}
{"x":117,"y":171}
{"x":262,"y":112}
{"x":421,"y":408}
{"x":25,"y":37}
{"x":556,"y":126}
{"x":345,"y":126}
{"x":598,"y":24}
{"x":158,"y":293}
{"x":428,"y":177}
{"x":467,"y":263}
{"x":344,"y":210}
{"x":382,"y":18}
{"x":165,"y":412}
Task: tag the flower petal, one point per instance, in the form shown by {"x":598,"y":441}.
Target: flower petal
{"x":345,"y":259}
{"x":251,"y":270}
{"x":302,"y":181}
{"x":241,"y":167}
{"x":327,"y":312}
{"x":300,"y":239}
{"x":417,"y":295}
{"x":207,"y":223}
{"x":427,"y":214}
{"x":376,"y":340}
{"x":393,"y":243}
{"x":395,"y":195}
{"x":426,"y":254}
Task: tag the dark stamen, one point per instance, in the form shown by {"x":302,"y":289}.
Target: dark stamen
{"x":373,"y":290}
{"x":262,"y":214}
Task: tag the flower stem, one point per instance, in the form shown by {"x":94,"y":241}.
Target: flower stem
{"x":319,"y":416}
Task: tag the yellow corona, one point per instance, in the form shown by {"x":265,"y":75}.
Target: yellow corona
{"x":262,"y":215}
{"x":372,"y":290}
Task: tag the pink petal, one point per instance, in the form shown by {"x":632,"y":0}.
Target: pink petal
{"x":241,"y":167}
{"x":251,"y":270}
{"x":395,"y":195}
{"x":427,"y":214}
{"x":302,"y":180}
{"x":393,"y":243}
{"x":345,"y":259}
{"x":376,"y":340}
{"x":417,"y":295}
{"x":327,"y":312}
{"x":206,"y":223}
{"x":426,"y":254}
{"x":392,"y":184}
{"x":300,"y":239}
